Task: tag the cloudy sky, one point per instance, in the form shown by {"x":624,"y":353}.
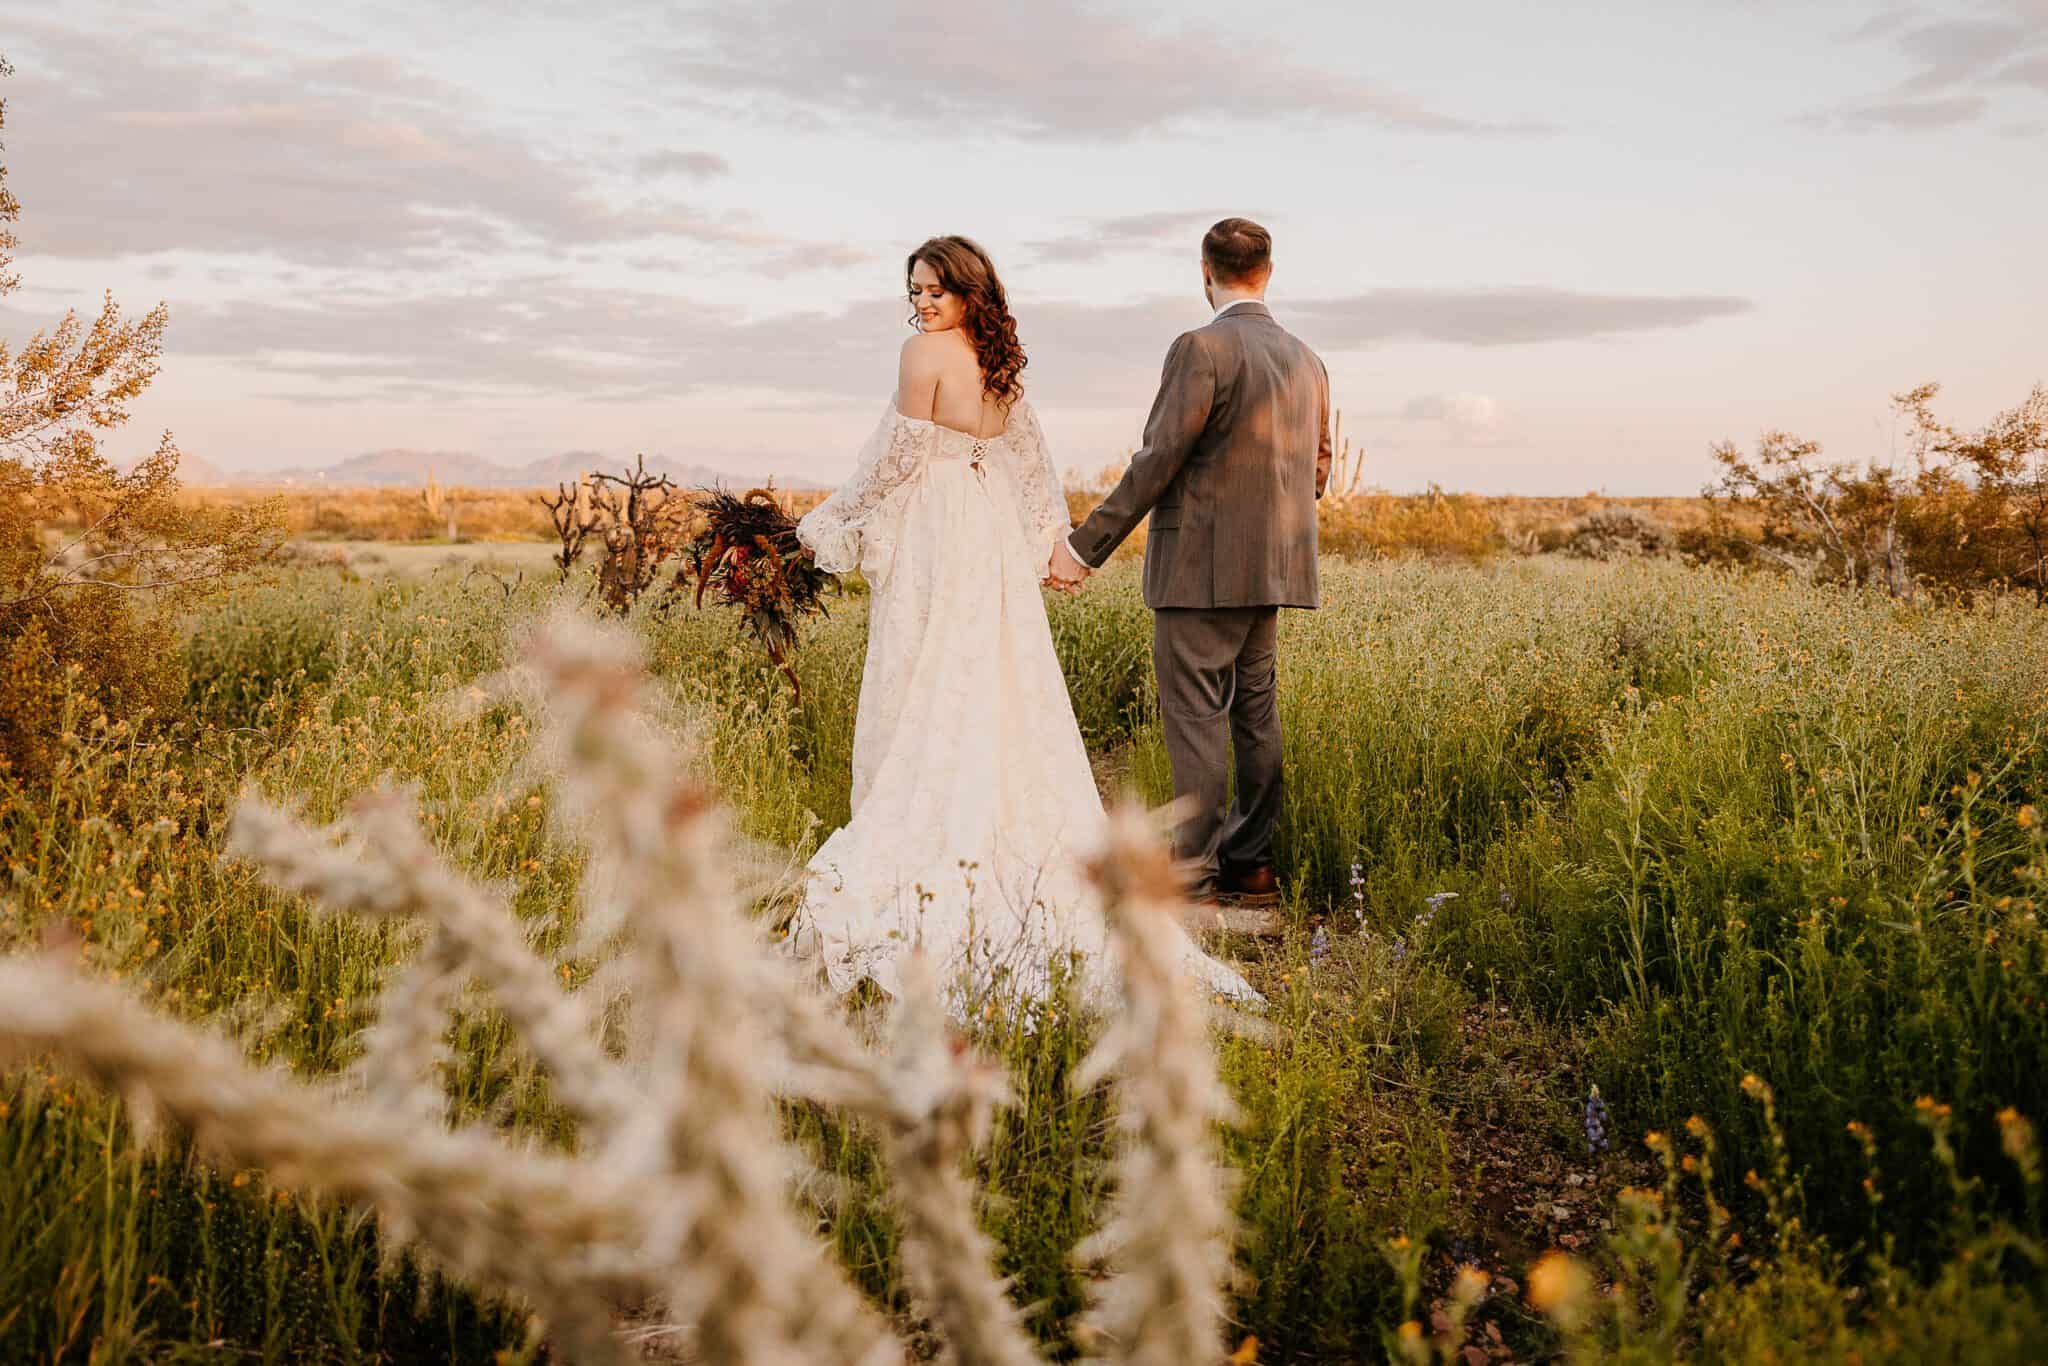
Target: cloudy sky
{"x":1543,"y":248}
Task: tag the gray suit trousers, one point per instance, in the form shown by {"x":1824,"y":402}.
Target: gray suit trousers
{"x":1218,"y":698}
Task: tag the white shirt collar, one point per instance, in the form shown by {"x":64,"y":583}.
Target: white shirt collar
{"x":1233,"y":304}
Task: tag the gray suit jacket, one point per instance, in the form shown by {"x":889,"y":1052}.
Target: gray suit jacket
{"x":1236,"y":453}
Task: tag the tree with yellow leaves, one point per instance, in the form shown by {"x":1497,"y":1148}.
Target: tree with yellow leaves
{"x":2004,"y":467}
{"x":1965,"y":510}
{"x":92,"y":560}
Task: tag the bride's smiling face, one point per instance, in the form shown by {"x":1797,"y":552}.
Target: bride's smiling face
{"x":938,"y":309}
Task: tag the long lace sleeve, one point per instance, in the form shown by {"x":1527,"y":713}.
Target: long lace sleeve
{"x":895,"y":454}
{"x":1042,"y":503}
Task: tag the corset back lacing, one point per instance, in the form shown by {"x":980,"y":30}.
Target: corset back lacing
{"x":965,"y":448}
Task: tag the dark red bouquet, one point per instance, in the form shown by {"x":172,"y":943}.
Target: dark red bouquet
{"x":749,"y":552}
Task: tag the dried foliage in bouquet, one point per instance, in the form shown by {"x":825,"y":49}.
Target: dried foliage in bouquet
{"x":749,"y":551}
{"x":675,"y":1200}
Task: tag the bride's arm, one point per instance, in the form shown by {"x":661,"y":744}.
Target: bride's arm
{"x":1042,"y":502}
{"x":895,"y":454}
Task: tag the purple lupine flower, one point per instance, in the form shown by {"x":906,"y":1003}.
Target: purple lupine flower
{"x":1319,"y":945}
{"x":1358,"y":893}
{"x":1435,"y":901}
{"x":1596,"y":1122}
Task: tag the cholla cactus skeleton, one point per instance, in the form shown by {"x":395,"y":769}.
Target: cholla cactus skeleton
{"x":678,"y":1197}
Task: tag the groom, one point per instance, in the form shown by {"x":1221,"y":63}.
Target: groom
{"x":1236,"y":453}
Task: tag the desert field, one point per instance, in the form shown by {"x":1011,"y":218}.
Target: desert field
{"x":1354,"y":523}
{"x":415,"y":737}
{"x":1760,"y":861}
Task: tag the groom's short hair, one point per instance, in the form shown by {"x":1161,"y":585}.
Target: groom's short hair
{"x":1238,"y":251}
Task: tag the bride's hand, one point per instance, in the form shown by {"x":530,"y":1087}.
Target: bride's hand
{"x":1063,"y":571}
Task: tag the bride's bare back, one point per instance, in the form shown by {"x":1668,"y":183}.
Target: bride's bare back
{"x":939,"y":376}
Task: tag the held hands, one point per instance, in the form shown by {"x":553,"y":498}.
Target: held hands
{"x":1064,"y":573}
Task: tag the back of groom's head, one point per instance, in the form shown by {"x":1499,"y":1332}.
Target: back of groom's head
{"x":1238,"y":252}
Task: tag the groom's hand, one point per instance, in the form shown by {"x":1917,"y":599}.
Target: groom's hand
{"x":1063,"y":571}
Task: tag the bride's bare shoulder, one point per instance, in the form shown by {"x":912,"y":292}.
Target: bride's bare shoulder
{"x":924,"y":353}
{"x":917,"y":375}
{"x":926,"y":347}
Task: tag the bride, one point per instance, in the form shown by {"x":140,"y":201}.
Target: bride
{"x":973,"y":800}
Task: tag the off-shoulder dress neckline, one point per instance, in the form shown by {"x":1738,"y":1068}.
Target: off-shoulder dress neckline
{"x":1008,"y":418}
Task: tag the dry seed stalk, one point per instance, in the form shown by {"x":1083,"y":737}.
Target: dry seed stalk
{"x":491,"y":1212}
{"x":1168,"y":1234}
{"x":391,"y":871}
{"x":756,"y":1284}
{"x":938,"y":1097}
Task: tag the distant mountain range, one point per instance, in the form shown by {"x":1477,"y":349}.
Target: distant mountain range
{"x":464,"y":469}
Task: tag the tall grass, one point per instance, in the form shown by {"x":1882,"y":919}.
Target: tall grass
{"x":1703,"y":824}
{"x":1719,"y":824}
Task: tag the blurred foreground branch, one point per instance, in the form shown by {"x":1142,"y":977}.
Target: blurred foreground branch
{"x":675,"y":1200}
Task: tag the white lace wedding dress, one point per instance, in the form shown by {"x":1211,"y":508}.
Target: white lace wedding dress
{"x":973,"y":801}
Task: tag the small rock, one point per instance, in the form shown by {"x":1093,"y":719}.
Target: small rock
{"x":1251,"y":920}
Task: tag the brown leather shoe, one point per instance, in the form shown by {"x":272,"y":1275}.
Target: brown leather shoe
{"x":1253,"y":884}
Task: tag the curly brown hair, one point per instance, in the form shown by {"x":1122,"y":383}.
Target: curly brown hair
{"x":965,"y":269}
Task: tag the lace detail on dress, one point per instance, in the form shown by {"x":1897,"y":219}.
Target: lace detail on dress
{"x":896,"y":452}
{"x":1042,"y":503}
